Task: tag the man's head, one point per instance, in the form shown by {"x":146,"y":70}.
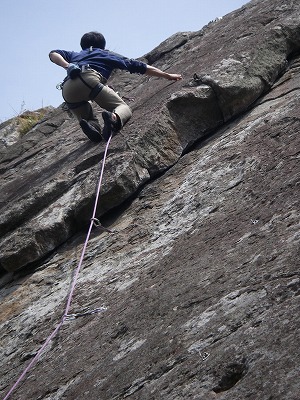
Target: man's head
{"x":94,"y":39}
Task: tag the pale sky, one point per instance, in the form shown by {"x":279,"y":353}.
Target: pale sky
{"x":29,"y":29}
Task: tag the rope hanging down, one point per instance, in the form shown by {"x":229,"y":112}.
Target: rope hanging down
{"x":66,"y":314}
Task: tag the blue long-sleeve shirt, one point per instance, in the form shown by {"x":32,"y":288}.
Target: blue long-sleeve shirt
{"x":103,"y":61}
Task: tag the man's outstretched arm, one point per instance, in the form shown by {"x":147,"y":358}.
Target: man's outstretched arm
{"x":153,"y":71}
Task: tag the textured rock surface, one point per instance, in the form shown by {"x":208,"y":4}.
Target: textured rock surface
{"x":200,"y":278}
{"x":49,"y":175}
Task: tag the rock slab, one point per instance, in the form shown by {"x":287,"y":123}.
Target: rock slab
{"x":199,"y":281}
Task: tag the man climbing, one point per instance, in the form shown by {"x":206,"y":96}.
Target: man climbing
{"x":87,"y":75}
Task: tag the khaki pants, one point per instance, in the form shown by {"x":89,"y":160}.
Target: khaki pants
{"x":76,"y":93}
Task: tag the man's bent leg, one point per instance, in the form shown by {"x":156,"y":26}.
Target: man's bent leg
{"x":111,"y":101}
{"x":88,"y":122}
{"x":82,"y":110}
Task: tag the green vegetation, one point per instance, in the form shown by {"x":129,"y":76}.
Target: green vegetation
{"x":29,"y":119}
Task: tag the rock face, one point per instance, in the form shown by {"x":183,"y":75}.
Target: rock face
{"x":199,"y":281}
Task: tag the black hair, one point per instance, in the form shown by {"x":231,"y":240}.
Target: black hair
{"x":95,"y":39}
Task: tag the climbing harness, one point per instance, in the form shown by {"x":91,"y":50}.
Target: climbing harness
{"x":94,"y":90}
{"x":66,"y":316}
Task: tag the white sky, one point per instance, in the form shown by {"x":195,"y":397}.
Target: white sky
{"x":29,"y":29}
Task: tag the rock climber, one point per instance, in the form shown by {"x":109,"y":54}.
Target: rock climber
{"x":87,"y":75}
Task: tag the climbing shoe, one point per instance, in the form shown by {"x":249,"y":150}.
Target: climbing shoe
{"x":90,"y":131}
{"x":111,"y":125}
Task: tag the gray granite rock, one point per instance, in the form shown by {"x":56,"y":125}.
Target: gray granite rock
{"x":199,"y":281}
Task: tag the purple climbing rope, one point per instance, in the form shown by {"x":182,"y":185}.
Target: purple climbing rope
{"x":71,"y":292}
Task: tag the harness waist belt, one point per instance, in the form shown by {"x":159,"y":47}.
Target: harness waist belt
{"x":86,"y":67}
